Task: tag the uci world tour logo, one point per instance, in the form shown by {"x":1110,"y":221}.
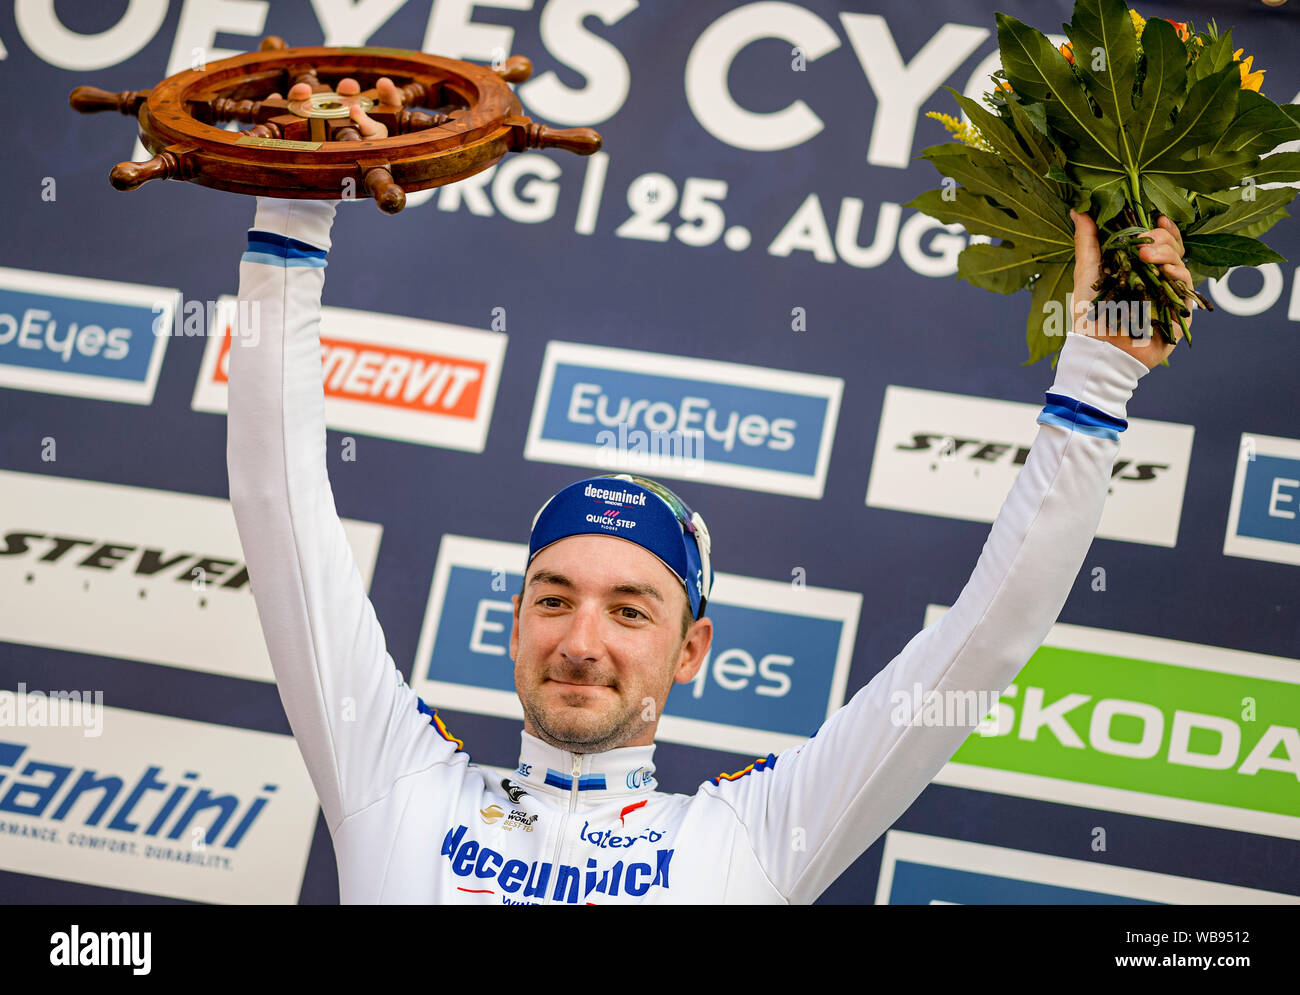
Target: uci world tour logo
{"x":740,"y":426}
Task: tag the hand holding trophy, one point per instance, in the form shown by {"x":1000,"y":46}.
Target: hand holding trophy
{"x":389,"y":120}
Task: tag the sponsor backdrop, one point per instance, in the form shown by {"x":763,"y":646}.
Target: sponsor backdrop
{"x":736,"y":270}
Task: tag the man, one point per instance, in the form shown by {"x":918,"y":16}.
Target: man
{"x":609,"y":618}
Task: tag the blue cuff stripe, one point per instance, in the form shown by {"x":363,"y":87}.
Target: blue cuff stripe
{"x":1083,"y":412}
{"x":282,"y":245}
{"x":270,"y":259}
{"x":1049,"y":418}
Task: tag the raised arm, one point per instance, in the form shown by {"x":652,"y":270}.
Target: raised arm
{"x":814,"y":810}
{"x":358,"y":724}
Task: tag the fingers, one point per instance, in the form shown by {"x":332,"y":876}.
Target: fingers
{"x":349,"y":88}
{"x":370,"y":128}
{"x":1168,"y":225}
{"x":389,"y":93}
{"x":1165,"y":247}
{"x":1087,"y":249}
{"x":1087,"y":256}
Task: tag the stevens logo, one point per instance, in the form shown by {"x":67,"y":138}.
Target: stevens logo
{"x":957,"y":456}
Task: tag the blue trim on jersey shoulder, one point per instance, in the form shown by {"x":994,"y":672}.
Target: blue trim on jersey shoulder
{"x":762,"y":763}
{"x":439,"y":726}
{"x":586,"y":782}
{"x":281,"y":250}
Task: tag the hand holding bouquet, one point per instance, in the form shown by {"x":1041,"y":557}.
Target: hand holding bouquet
{"x":1130,"y":120}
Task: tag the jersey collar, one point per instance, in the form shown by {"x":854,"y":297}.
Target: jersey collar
{"x":629,"y":770}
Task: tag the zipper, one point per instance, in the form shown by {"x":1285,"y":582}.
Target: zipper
{"x":575,"y":773}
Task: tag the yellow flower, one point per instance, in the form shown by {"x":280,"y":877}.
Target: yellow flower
{"x":1139,"y":22}
{"x":1249,"y":80}
{"x":965,"y":133}
{"x":1067,"y":50}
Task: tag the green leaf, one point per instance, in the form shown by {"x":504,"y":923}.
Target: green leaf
{"x":1260,"y":126}
{"x":1041,"y":148}
{"x":1108,"y":199}
{"x":1037,"y":70}
{"x":1163,"y":86}
{"x":1010,"y":187}
{"x":1213,"y":58}
{"x":1207,"y":173}
{"x":1209,"y":110}
{"x":1037,"y":115}
{"x":1244,"y":216}
{"x":1002,"y":269}
{"x":1168,"y":199}
{"x":1228,"y":250}
{"x":1280,"y":167}
{"x":1103,"y":27}
{"x":995,"y":132}
{"x":1121,"y":235}
{"x":1059,"y":175}
{"x":1049,"y":311}
{"x":979,"y":217}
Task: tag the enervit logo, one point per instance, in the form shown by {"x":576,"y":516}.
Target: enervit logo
{"x":930,"y":870}
{"x":1153,"y":727}
{"x":134,"y":573}
{"x":778,"y":666}
{"x":742,"y":426}
{"x":957,"y":456}
{"x":1264,"y":517}
{"x":396,"y":378}
{"x":161,"y":806}
{"x":87,"y":338}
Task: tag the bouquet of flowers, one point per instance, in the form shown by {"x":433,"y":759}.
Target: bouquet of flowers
{"x":1129,"y":119}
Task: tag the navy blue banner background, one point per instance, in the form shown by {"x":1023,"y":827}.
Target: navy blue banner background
{"x":872,"y":327}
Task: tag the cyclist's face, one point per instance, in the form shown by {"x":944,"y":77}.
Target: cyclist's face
{"x":597,"y":643}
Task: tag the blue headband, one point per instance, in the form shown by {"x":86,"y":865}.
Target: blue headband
{"x":617,"y":505}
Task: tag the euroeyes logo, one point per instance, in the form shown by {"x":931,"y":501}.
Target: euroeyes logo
{"x":1264,"y":516}
{"x":87,"y":338}
{"x":741,"y":426}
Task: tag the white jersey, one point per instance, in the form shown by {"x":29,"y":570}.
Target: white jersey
{"x":414,"y":820}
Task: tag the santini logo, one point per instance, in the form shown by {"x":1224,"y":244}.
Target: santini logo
{"x":154,"y":804}
{"x":77,"y":949}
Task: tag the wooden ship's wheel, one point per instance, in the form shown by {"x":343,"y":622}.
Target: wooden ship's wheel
{"x":454,"y":119}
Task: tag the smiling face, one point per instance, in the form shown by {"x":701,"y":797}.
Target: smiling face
{"x":597,"y":643}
